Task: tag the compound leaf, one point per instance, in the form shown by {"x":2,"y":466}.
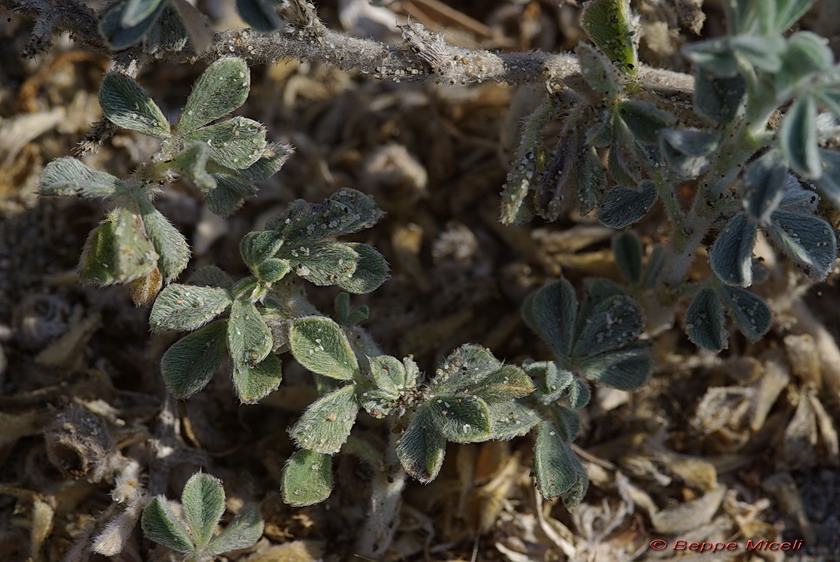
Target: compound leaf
{"x":731,"y":254}
{"x":161,"y":525}
{"x":181,"y":308}
{"x":67,"y":176}
{"x":307,"y":478}
{"x":126,"y":104}
{"x":203,"y":501}
{"x":222,"y":88}
{"x":327,"y":422}
{"x":252,"y":384}
{"x":319,"y":344}
{"x":750,"y":313}
{"x":189,"y":364}
{"x":421,"y":447}
{"x":704,"y":322}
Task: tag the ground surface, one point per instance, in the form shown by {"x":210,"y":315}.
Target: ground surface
{"x":715,"y":448}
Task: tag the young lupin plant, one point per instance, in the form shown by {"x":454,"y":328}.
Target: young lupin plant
{"x":752,"y":133}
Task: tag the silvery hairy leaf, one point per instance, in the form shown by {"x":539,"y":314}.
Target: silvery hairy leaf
{"x":808,"y":240}
{"x":731,"y":253}
{"x":765,"y":186}
{"x":557,"y":469}
{"x":203,"y":501}
{"x":389,"y":374}
{"x":192,"y":163}
{"x":751,"y":315}
{"x":344,"y":212}
{"x":222,"y":88}
{"x":181,"y":308}
{"x":254,"y":382}
{"x":625,"y":369}
{"x":552,"y":313}
{"x":126,"y":104}
{"x":829,"y":182}
{"x":322,"y":263}
{"x":598,"y":72}
{"x":243,"y":532}
{"x":610,"y":325}
{"x":257,"y":247}
{"x":704,"y":322}
{"x":421,"y":447}
{"x":798,"y":138}
{"x":686,"y":151}
{"x":511,"y":419}
{"x":189,"y":364}
{"x":210,"y":276}
{"x":507,"y":383}
{"x":68,"y":176}
{"x":807,"y":53}
{"x":464,"y":368}
{"x":307,"y":478}
{"x":236,"y":143}
{"x":327,"y":422}
{"x":167,"y":240}
{"x":161,"y":525}
{"x":319,"y":344}
{"x":370,"y":273}
{"x":624,"y":206}
{"x":249,"y":337}
{"x":461,"y":418}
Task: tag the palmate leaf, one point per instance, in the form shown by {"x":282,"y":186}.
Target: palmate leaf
{"x":421,"y":447}
{"x":161,"y":525}
{"x":189,"y":364}
{"x":126,"y":104}
{"x":327,"y":422}
{"x":319,"y":344}
{"x":307,"y":478}
{"x":557,"y":469}
{"x":181,"y":308}
{"x":731,"y":254}
{"x":221,"y":89}
{"x":118,"y":250}
{"x":704,"y":323}
{"x":203,"y":501}
{"x":68,"y":177}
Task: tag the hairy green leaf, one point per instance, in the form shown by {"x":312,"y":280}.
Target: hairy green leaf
{"x":591,"y":180}
{"x":421,"y":447}
{"x":389,"y":374}
{"x":126,"y":104}
{"x":624,"y":206}
{"x":236,"y":143}
{"x":322,"y":263}
{"x":717,"y":99}
{"x":121,"y":36}
{"x":192,"y":163}
{"x":307,"y":478}
{"x":273,"y":157}
{"x":788,"y":12}
{"x":260,"y":14}
{"x":137,"y":10}
{"x":610,"y":25}
{"x":461,"y":419}
{"x":168,"y":241}
{"x":464,"y":368}
{"x":249,"y":337}
{"x":808,"y":240}
{"x":203,"y":501}
{"x":244,"y":531}
{"x":750,"y":313}
{"x":552,"y":313}
{"x":68,"y":177}
{"x":272,"y":270}
{"x":210,"y":276}
{"x":511,"y":419}
{"x":704,"y":322}
{"x":222,"y":88}
{"x":189,"y":364}
{"x":252,"y":384}
{"x":118,"y":250}
{"x":598,"y":72}
{"x":798,"y":138}
{"x":319,"y":344}
{"x":644,"y":119}
{"x":731,"y":254}
{"x":508,"y":383}
{"x":181,"y":308}
{"x":765,"y":180}
{"x":257,"y":247}
{"x":371,"y":270}
{"x":161,"y":525}
{"x":627,"y":369}
{"x":556,"y":467}
{"x":611,"y":324}
{"x":327,"y":422}
{"x":627,"y":250}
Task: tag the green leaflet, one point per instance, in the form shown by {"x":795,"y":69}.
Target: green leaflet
{"x":189,"y":364}
{"x":558,"y":470}
{"x":244,"y":531}
{"x":203,"y":501}
{"x":389,"y":374}
{"x":461,"y":419}
{"x":68,"y":176}
{"x":370,"y":273}
{"x":260,"y":14}
{"x":161,"y":525}
{"x":464,"y":368}
{"x":117,"y":251}
{"x":307,"y":478}
{"x":253,"y":383}
{"x":181,"y":308}
{"x":126,"y":104}
{"x":326,"y":424}
{"x":192,"y":163}
{"x":120,"y":35}
{"x":704,"y":323}
{"x":319,"y":344}
{"x":610,"y":25}
{"x":249,"y":337}
{"x":167,"y":240}
{"x":421,"y":447}
{"x":627,"y":250}
{"x":236,"y":143}
{"x":221,"y":89}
